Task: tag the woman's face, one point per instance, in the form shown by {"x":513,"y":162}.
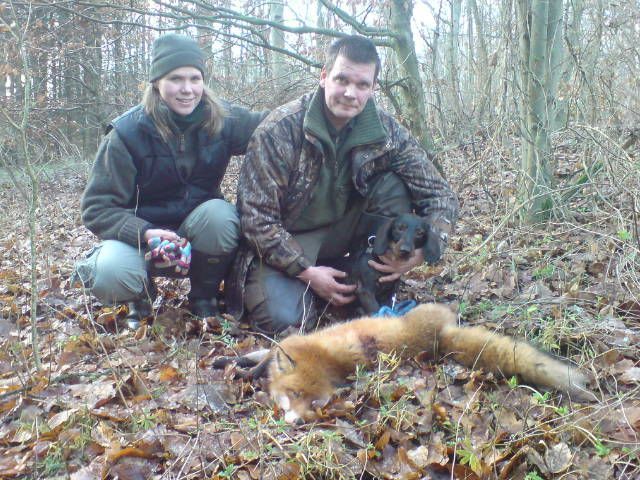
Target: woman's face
{"x":181,"y":89}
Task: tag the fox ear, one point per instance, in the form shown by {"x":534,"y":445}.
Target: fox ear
{"x":284,"y":363}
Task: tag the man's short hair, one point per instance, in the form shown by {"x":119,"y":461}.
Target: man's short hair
{"x":356,"y":48}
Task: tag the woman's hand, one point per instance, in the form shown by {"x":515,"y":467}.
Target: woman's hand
{"x":162,"y":233}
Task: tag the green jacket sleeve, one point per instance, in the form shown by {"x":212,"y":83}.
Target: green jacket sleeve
{"x":109,"y":193}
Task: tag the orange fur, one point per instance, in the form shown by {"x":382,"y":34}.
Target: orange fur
{"x":305,"y":369}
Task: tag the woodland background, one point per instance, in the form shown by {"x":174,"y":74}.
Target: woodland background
{"x":532,"y":109}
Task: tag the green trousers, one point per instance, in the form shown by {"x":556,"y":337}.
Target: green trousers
{"x":116,"y":272}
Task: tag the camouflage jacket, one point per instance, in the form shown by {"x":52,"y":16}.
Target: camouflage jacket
{"x":281,"y":168}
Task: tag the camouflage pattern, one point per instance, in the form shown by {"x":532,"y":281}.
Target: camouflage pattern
{"x":280,"y":169}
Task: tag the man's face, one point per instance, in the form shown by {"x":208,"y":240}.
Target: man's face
{"x":347,"y":88}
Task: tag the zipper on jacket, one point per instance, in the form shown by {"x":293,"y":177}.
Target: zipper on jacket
{"x":181,"y":143}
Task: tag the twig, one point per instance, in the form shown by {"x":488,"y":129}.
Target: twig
{"x":634,"y":215}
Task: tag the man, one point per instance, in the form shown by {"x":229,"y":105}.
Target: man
{"x":319,"y":176}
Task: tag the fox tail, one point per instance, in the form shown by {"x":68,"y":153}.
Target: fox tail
{"x":478,"y":347}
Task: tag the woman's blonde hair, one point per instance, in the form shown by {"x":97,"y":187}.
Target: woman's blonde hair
{"x":155,"y":107}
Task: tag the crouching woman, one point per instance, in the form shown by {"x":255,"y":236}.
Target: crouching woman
{"x":153,"y":197}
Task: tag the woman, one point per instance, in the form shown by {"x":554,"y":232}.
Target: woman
{"x":155,"y":187}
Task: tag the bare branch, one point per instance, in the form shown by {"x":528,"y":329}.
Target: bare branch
{"x":358,"y":26}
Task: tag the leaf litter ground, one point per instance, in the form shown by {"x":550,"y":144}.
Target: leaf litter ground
{"x":112,"y":403}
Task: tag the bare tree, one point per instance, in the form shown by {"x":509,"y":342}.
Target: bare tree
{"x":474,"y":70}
{"x":540,"y":42}
{"x":252,"y":30}
{"x":22,"y":162}
{"x":278,"y":65}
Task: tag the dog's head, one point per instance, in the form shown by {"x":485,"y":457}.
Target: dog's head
{"x":401,"y":236}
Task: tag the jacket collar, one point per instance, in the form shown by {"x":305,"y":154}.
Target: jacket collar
{"x":366,"y":127}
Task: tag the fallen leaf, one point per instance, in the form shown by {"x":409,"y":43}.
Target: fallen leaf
{"x":217,"y":396}
{"x":632,"y":375}
{"x":118,"y":453}
{"x":558,"y":458}
{"x":91,"y":472}
{"x":289,"y":471}
{"x":168,"y":374}
{"x":633,"y":416}
{"x":629,"y":309}
{"x":507,"y":420}
{"x":60,"y":418}
{"x":132,"y":469}
{"x":94,"y":395}
{"x":419,"y":456}
{"x":535,"y":458}
{"x":351,"y":433}
{"x":383,"y":440}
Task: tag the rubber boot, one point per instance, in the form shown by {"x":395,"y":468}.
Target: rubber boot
{"x":137,"y":311}
{"x":141,"y":308}
{"x":206,"y":274}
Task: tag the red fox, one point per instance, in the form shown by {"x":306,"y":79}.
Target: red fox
{"x":305,"y":370}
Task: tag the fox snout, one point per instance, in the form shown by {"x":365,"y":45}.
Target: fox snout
{"x":297,"y":408}
{"x":290,"y":414}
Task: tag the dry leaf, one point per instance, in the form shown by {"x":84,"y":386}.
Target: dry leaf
{"x":60,"y":418}
{"x":169,"y":374}
{"x":94,"y":395}
{"x":632,"y":375}
{"x":558,"y":458}
{"x":290,"y":471}
{"x":633,"y":416}
{"x":419,"y":456}
{"x":129,"y":468}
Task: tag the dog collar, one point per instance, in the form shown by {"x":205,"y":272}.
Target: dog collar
{"x":370,"y":241}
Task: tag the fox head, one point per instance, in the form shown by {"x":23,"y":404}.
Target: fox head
{"x":298,"y":385}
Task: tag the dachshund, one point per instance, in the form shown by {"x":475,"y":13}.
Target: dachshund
{"x":400,"y":236}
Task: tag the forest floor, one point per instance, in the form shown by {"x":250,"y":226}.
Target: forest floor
{"x":114,"y":403}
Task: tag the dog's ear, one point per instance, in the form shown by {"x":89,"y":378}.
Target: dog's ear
{"x":381,"y":243}
{"x":432,"y":246}
{"x":426,"y":226}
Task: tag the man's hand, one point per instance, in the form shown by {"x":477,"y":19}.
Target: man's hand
{"x":322,"y":281}
{"x":395,"y":268}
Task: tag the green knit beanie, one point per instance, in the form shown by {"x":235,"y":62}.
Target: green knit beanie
{"x":173,"y":51}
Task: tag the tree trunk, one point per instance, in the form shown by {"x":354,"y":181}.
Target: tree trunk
{"x":412,"y":93}
{"x":484,"y":70}
{"x":504,"y":61}
{"x":276,"y":38}
{"x":453,"y":59}
{"x":540,"y":25}
{"x":436,"y":70}
{"x":557,"y":61}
